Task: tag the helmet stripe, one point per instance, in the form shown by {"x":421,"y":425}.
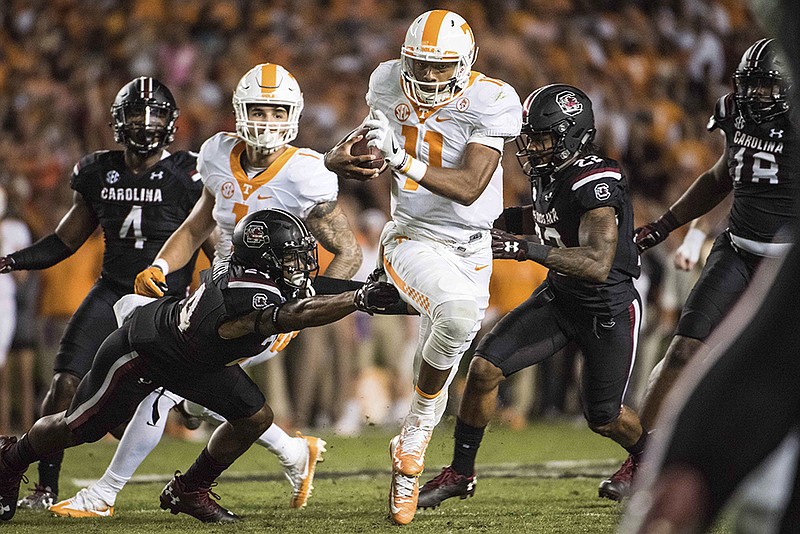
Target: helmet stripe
{"x":269,"y":79}
{"x":430,"y":34}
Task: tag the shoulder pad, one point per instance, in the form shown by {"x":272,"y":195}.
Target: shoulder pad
{"x":724,"y":110}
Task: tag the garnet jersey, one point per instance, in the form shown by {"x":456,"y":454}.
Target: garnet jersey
{"x":487,"y":112}
{"x":186,"y":329}
{"x":138,"y":212}
{"x":588,"y":183}
{"x":295,"y":182}
{"x":763,"y":171}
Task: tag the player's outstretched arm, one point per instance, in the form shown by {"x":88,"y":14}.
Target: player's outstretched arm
{"x":328,"y":224}
{"x":590,"y":260}
{"x":708,"y":190}
{"x":72,"y":232}
{"x":179,"y":248}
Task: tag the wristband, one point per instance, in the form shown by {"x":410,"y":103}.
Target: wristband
{"x":412,"y":168}
{"x":44,"y":253}
{"x":537,"y":252}
{"x":161,"y":264}
{"x":694,"y":241}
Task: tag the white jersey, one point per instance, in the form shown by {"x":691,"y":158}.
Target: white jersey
{"x":488,"y":111}
{"x":295,"y":182}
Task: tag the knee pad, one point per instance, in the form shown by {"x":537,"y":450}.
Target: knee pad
{"x":452,"y":328}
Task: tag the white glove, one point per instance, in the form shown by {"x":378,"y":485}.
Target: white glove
{"x":382,"y":137}
{"x":688,"y":253}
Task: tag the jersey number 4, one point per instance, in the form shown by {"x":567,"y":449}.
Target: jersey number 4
{"x":133,"y":221}
{"x":189,"y":307}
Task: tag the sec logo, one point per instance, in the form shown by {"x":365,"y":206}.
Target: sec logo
{"x":402,"y":112}
{"x":227,"y":189}
{"x":112,"y":177}
{"x":462,"y":104}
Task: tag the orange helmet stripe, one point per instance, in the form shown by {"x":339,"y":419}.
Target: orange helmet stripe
{"x":430,"y":34}
{"x":269,"y":79}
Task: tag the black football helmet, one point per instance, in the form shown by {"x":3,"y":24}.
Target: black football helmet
{"x":557,"y":123}
{"x":761,"y":82}
{"x":144,"y":114}
{"x":278,"y":243}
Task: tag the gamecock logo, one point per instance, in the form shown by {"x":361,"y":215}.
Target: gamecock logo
{"x":569,"y":103}
{"x":255,"y":234}
{"x":402,"y":112}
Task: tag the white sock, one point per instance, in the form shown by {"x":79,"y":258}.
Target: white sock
{"x":107,"y":487}
{"x":424,"y":406}
{"x":285,"y":447}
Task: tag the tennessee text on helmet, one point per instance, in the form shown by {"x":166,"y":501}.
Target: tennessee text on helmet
{"x":557,"y":123}
{"x":761,"y":82}
{"x":437,"y":37}
{"x":267,"y":84}
{"x":143,"y":116}
{"x":278,"y":243}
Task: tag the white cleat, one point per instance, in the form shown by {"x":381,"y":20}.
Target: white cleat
{"x":84,"y":504}
{"x":301,"y":473}
{"x":408,"y":456}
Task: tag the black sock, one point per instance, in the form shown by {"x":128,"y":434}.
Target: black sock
{"x":467,"y":440}
{"x":20,"y":455}
{"x":637,"y":448}
{"x":203,"y":472}
{"x":50,"y":470}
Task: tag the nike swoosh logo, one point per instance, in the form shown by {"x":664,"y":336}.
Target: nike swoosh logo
{"x":264,"y":198}
{"x":442,"y":119}
{"x":481,"y":267}
{"x":394,"y":148}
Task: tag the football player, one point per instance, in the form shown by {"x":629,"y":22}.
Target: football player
{"x":138,"y":196}
{"x":441,"y":127}
{"x":758,"y":167}
{"x":583,"y":217}
{"x":190,"y":346}
{"x":252,"y":169}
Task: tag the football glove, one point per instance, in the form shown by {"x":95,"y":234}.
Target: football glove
{"x":151,"y":282}
{"x":282,"y":340}
{"x":382,"y":137}
{"x":506,"y":246}
{"x":653,"y":233}
{"x":376,"y":297}
{"x":6,"y":264}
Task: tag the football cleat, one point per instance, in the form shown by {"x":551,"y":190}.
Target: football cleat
{"x":446,"y":484}
{"x":618,"y":486}
{"x":197,"y":504}
{"x":301,"y":473}
{"x":9,"y":482}
{"x":84,"y":504}
{"x":40,"y":498}
{"x":403,"y":492}
{"x":409,"y":454}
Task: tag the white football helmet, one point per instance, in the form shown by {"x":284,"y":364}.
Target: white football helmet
{"x":443,"y":37}
{"x":267,"y":84}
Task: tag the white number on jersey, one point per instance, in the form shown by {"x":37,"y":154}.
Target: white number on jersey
{"x":134,"y":219}
{"x":760,"y":171}
{"x":550,"y":236}
{"x":188,"y":308}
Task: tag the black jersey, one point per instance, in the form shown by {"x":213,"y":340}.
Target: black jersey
{"x":762,"y":169}
{"x":588,"y":183}
{"x":186,"y":329}
{"x":138,"y":212}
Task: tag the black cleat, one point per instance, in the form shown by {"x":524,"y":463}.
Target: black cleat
{"x":618,"y":486}
{"x":197,"y":504}
{"x":446,"y":484}
{"x":40,"y":498}
{"x":9,"y":482}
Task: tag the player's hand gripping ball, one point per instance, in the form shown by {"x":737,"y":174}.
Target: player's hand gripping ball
{"x":360,"y":148}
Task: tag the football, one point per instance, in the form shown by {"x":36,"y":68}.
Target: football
{"x":360,"y":148}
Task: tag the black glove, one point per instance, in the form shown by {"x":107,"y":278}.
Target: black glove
{"x":653,"y":233}
{"x":6,"y":264}
{"x":378,"y":275}
{"x":376,"y":297}
{"x":507,"y":246}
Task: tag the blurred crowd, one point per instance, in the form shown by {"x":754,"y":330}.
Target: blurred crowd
{"x":653,"y":69}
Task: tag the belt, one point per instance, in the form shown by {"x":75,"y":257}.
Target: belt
{"x":759,"y":248}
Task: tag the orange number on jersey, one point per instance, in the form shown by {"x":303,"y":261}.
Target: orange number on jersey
{"x":240,"y":210}
{"x":435,"y":141}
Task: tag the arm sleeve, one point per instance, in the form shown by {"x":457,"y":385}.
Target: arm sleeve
{"x":43,"y":254}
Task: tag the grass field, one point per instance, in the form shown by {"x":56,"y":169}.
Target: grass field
{"x":540,"y":479}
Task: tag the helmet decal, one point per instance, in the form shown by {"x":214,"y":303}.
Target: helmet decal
{"x":569,"y":103}
{"x":256,"y":234}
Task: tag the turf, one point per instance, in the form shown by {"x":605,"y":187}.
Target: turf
{"x":540,"y":479}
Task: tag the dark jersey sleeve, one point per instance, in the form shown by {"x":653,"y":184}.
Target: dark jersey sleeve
{"x":81,"y":179}
{"x":724,"y":112}
{"x":600,"y":185}
{"x":247,"y":291}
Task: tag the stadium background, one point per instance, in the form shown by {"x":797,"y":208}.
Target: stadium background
{"x":653,"y":68}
